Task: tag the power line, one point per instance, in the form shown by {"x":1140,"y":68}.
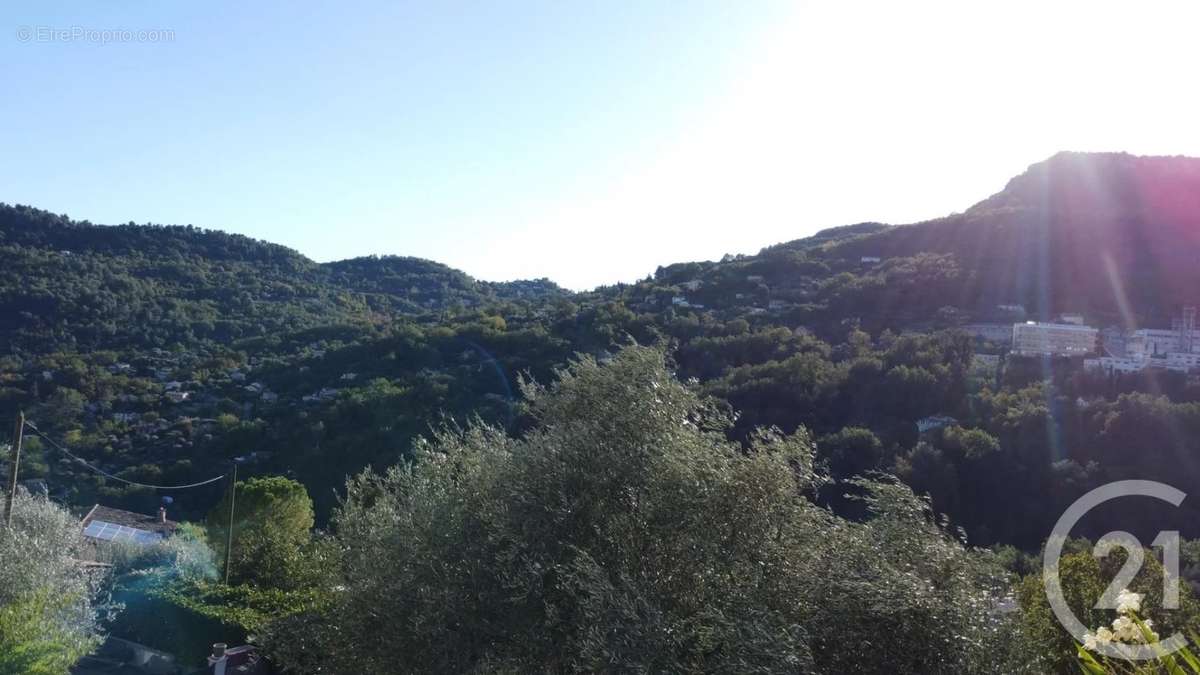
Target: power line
{"x":104,"y":473}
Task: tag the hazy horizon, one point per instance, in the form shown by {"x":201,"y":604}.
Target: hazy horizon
{"x":749,"y":251}
{"x":584,"y":143}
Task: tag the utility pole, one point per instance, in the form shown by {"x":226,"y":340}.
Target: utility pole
{"x":229,"y":537}
{"x":12,"y":470}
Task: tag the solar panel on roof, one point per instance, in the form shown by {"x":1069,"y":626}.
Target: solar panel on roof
{"x":105,"y":531}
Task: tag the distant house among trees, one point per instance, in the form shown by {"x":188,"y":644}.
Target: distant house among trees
{"x":934,"y":422}
{"x":1012,"y":311}
{"x":985,"y":361}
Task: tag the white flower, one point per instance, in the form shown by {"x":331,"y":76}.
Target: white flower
{"x":1128,"y":601}
{"x":1126,"y":630}
{"x":1101,"y":637}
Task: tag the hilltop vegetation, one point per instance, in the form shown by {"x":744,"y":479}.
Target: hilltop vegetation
{"x":76,"y":285}
{"x":626,"y":533}
{"x":162,"y":354}
{"x":319,"y":370}
{"x":1076,"y":233}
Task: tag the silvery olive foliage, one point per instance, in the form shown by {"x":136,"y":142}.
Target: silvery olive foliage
{"x":184,"y":555}
{"x":626,"y":533}
{"x":47,"y":616}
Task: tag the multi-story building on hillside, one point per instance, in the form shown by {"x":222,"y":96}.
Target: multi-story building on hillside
{"x":1175,"y":349}
{"x":1182,"y":361}
{"x":1146,"y":343}
{"x":1053,"y":339}
{"x":1116,"y":364}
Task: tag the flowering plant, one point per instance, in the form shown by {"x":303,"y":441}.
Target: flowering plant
{"x":1129,"y":629}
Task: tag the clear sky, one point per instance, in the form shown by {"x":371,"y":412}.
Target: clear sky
{"x":586,"y":142}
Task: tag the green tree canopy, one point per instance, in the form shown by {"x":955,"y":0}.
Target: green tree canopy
{"x":1084,"y":579}
{"x":852,"y":451}
{"x":625,"y":533}
{"x":273,"y":519}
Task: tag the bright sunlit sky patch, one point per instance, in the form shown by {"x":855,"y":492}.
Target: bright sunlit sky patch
{"x":586,"y":142}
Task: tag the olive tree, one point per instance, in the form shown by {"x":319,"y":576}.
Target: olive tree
{"x":626,"y":533}
{"x":47,"y":617}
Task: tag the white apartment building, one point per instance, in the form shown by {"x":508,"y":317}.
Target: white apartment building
{"x":1150,"y":342}
{"x":1177,"y":361}
{"x":1053,"y":339}
{"x":1176,"y":349}
{"x":1182,"y":361}
{"x":1113,"y":364}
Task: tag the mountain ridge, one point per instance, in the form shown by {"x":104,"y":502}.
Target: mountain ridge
{"x":30,"y":226}
{"x":160,"y":350}
{"x":1075,"y":232}
{"x":1043,"y":241}
{"x":1068,"y":185}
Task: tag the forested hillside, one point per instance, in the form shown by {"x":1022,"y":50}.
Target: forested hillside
{"x":162,"y":353}
{"x":803,"y":377}
{"x":1076,"y":233}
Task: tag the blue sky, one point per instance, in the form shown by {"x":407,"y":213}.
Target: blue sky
{"x":586,"y":142}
